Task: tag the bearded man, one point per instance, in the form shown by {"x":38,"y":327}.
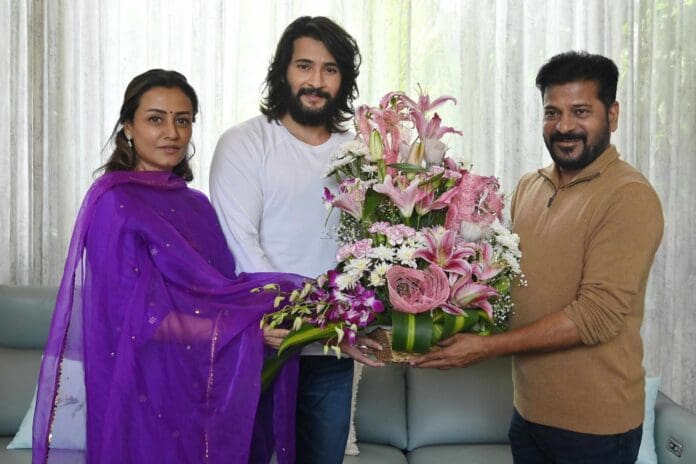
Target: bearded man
{"x":266,"y":183}
{"x":589,"y":227}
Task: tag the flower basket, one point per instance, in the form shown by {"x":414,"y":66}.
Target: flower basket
{"x":383,"y":336}
{"x":423,"y":245}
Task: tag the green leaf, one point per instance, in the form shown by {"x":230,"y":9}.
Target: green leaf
{"x":432,"y":180}
{"x":372,"y":201}
{"x":411,"y":332}
{"x":438,"y":330}
{"x":407,"y":167}
{"x":272,"y":365}
{"x":307,"y":334}
{"x":456,"y":324}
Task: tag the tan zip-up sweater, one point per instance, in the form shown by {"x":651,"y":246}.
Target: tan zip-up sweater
{"x":587,"y":249}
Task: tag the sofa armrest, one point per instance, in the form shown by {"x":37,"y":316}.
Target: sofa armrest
{"x":675,"y":432}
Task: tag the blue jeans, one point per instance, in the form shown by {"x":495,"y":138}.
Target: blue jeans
{"x":541,"y":444}
{"x":323,"y":409}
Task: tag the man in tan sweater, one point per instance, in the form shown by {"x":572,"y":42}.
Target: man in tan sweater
{"x":589,"y":227}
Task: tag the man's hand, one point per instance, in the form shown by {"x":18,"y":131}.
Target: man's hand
{"x":459,"y":350}
{"x":363,"y":347}
{"x":274,"y":337}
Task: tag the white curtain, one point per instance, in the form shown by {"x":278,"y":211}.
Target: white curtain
{"x":64,"y":65}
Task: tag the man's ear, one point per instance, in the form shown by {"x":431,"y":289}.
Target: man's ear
{"x":613,"y":115}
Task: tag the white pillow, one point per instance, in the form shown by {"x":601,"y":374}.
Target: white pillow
{"x":646,"y":453}
{"x":351,"y":444}
{"x":70,"y":413}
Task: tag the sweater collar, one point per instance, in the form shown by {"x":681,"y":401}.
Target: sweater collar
{"x":594,"y":169}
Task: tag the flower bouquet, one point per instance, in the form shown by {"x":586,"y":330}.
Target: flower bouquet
{"x":423,"y":250}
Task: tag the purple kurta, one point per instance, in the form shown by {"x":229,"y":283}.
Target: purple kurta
{"x":168,"y":336}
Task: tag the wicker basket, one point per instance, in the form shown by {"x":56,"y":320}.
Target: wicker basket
{"x":387,"y":355}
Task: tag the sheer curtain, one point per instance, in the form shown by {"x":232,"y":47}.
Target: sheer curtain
{"x":64,"y":65}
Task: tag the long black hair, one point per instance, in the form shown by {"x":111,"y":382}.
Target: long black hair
{"x":124,"y":158}
{"x":342,"y":47}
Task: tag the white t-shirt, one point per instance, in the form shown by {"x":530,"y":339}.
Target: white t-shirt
{"x":267,"y":187}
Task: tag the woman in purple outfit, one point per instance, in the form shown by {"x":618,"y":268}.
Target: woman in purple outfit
{"x":150,"y":306}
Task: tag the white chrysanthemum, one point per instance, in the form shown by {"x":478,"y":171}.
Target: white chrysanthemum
{"x":376,"y":279}
{"x":505,"y":238}
{"x":369,"y":168}
{"x":383,"y":253}
{"x":336,"y":164}
{"x":355,"y":147}
{"x":358,"y":265}
{"x":347,"y":280}
{"x":382,"y":268}
{"x":511,"y":259}
{"x":405,"y":256}
{"x":417,"y":241}
{"x":511,"y":241}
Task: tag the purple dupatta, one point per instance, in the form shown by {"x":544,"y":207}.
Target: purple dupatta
{"x":167,"y":335}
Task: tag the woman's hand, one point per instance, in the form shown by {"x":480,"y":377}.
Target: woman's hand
{"x":274,"y":337}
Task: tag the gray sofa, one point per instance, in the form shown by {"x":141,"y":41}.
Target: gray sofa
{"x":403,"y":415}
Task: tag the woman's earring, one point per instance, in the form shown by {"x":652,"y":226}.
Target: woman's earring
{"x":189,"y":156}
{"x":130,"y":142}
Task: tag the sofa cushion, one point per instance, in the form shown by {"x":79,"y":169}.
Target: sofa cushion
{"x":17,"y":387}
{"x":371,"y":453}
{"x":380,"y":416}
{"x":26,"y":316}
{"x":13,"y":456}
{"x":469,"y":454}
{"x":460,"y":406}
{"x":674,"y":425}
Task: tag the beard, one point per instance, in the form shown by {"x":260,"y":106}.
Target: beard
{"x":590,"y":152}
{"x":308,"y":116}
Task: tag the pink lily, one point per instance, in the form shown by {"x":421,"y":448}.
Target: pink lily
{"x":362,"y":122}
{"x":466,"y":293}
{"x":443,"y":251}
{"x":403,"y":195}
{"x":431,"y":130}
{"x":424,"y":105}
{"x":486,"y":268}
{"x":351,"y":198}
{"x":429,"y":203}
{"x":388,"y":122}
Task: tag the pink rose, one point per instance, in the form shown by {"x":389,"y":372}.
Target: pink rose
{"x":415,"y":291}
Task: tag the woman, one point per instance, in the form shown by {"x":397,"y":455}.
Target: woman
{"x":150,"y":305}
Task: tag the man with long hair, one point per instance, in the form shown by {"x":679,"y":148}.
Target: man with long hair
{"x":266,"y":181}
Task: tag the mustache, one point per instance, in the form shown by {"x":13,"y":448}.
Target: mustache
{"x":567,"y":137}
{"x":312,"y":91}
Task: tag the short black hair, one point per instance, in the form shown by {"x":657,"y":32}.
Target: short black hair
{"x":575,"y":66}
{"x":342,"y":47}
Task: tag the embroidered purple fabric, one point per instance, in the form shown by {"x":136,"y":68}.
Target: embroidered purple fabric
{"x":168,"y":336}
